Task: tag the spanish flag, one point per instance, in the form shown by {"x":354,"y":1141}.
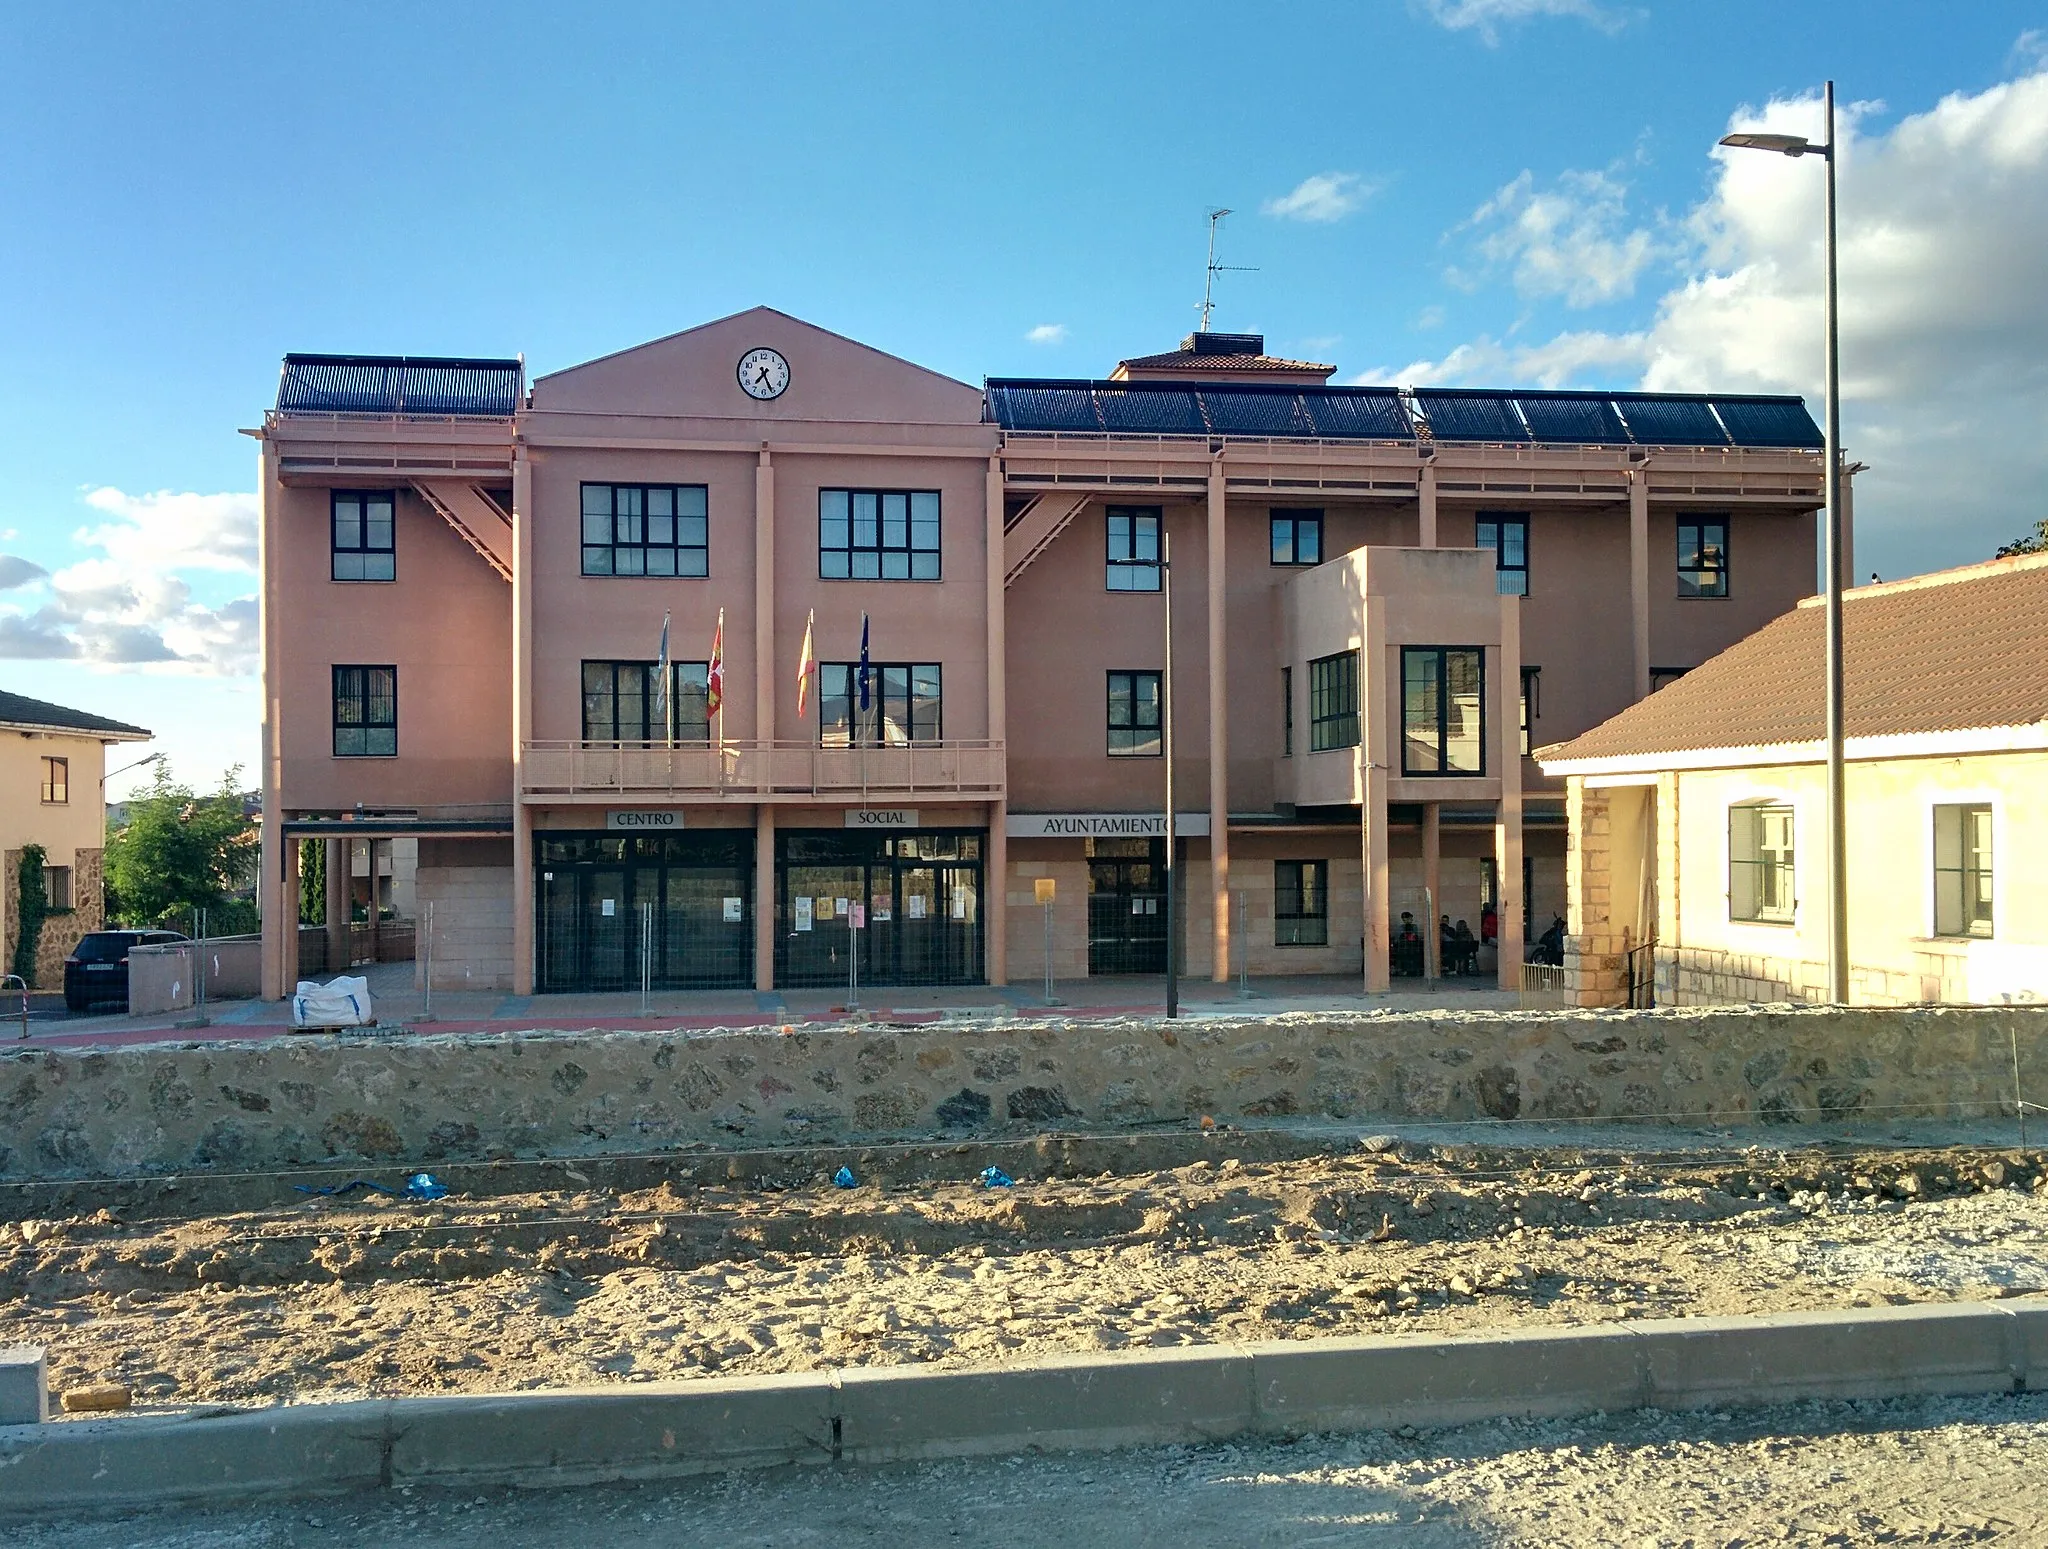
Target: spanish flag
{"x":714,"y":678}
{"x":806,"y":667}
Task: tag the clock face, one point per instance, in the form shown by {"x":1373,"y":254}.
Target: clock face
{"x":763,"y":373}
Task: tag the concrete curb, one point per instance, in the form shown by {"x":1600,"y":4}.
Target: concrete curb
{"x":711,"y":1425}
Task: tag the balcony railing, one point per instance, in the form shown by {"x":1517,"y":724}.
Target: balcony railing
{"x":754,"y":771}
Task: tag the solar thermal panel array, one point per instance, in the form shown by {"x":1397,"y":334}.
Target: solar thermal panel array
{"x":384,"y":384}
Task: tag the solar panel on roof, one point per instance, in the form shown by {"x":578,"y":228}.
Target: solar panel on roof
{"x":1044,"y":408}
{"x":1768,"y":422}
{"x":1255,"y":414}
{"x":1173,"y":412}
{"x":1455,"y":416}
{"x":1558,"y":417}
{"x":368,"y":384}
{"x":1655,"y":421}
{"x":1377,"y":415}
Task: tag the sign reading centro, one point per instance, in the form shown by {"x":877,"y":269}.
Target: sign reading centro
{"x":643,"y":820}
{"x":1103,"y":825}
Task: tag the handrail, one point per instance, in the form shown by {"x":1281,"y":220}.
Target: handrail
{"x":759,"y":768}
{"x":23,"y":985}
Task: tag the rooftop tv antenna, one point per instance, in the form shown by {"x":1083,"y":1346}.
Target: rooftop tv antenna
{"x":1209,"y":284}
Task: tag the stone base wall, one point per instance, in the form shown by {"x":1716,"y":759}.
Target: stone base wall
{"x":1687,"y":976}
{"x":472,"y":927}
{"x":61,"y":932}
{"x":303,"y":1099}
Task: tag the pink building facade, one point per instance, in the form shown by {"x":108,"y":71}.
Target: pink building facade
{"x":1381,"y":601}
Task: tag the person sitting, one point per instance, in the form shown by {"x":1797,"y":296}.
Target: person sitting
{"x":1464,"y":950}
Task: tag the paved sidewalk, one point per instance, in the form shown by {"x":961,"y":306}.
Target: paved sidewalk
{"x":401,"y":1007}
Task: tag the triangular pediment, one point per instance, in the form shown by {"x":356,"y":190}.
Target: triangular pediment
{"x":696,"y":374}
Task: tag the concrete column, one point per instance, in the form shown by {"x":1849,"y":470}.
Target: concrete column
{"x":1639,"y":576}
{"x":1433,"y":880}
{"x":1219,"y":739}
{"x":277,"y":977}
{"x":285,"y":860}
{"x":1375,"y":709}
{"x":995,"y":913}
{"x":370,"y":913}
{"x":1425,"y":505}
{"x":523,"y":581}
{"x":995,"y":892}
{"x":1507,"y":755}
{"x":998,"y":622}
{"x":764,"y":604}
{"x":764,"y":897}
{"x":339,"y":863}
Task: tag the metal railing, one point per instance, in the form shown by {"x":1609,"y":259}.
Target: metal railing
{"x":1545,"y":987}
{"x":750,"y":770}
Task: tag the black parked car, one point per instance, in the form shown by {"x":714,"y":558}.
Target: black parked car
{"x":97,"y":969}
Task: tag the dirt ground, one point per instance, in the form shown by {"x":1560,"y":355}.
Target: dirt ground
{"x":699,"y":1274}
{"x":1916,"y":1472}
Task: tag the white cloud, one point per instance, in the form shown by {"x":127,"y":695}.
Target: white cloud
{"x":1486,"y":17}
{"x":1944,"y":327}
{"x":1325,"y":197}
{"x":131,"y":602}
{"x":16,"y":571}
{"x":1572,"y":240}
{"x":1047,"y":333}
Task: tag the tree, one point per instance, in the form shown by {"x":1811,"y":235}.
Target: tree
{"x":31,"y":908}
{"x":182,"y":852}
{"x":2035,"y":542}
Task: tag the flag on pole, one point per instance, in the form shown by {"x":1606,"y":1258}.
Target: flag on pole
{"x":862,"y":675}
{"x":806,"y":667}
{"x":714,"y":677}
{"x":661,"y":677}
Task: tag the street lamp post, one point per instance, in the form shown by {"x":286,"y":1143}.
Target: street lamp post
{"x":1166,"y":749}
{"x":1837,"y":811}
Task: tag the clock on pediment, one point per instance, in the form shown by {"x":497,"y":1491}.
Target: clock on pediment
{"x":763,"y":374}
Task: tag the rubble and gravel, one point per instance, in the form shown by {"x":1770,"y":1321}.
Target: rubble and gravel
{"x":1920,"y":1472}
{"x":299,"y":1299}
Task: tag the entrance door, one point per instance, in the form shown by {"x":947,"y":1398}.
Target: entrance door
{"x":1126,"y":906}
{"x":607,"y":927}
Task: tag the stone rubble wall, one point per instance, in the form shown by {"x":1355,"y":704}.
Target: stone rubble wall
{"x":303,"y":1099}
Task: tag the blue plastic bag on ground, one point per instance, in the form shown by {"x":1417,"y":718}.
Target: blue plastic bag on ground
{"x":844,"y":1179}
{"x":996,"y":1178}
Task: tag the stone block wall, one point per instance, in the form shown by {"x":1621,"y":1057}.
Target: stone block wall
{"x":305,"y":1099}
{"x":61,"y":932}
{"x":1595,"y":953}
{"x":472,"y":927}
{"x":1691,"y":976}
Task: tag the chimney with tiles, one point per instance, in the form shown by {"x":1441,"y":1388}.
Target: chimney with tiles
{"x":1222,"y":357}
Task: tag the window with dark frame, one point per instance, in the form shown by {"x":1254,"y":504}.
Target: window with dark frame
{"x":1301,"y":903}
{"x":878,"y":534}
{"x":1761,"y":873}
{"x":1287,"y":712}
{"x":1702,"y":556}
{"x":1333,"y":702}
{"x":1134,"y":715}
{"x":1506,"y":533}
{"x":362,"y":535}
{"x":1133,"y":549}
{"x":905,"y":704}
{"x":646,"y":530}
{"x":1962,"y":869}
{"x":1443,"y":710}
{"x":620,"y":703}
{"x":365,"y":712}
{"x":1532,"y":706}
{"x":56,"y":782}
{"x":1664,"y":677}
{"x":57,"y":889}
{"x":1297,"y":537}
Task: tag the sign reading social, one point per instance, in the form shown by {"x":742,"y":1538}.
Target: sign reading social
{"x":881,"y":817}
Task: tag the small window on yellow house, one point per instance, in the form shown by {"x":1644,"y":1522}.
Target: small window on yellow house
{"x":56,"y":782}
{"x":1760,"y":866}
{"x":57,"y":887}
{"x":1962,"y":870}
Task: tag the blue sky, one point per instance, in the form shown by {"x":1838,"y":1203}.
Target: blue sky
{"x":1497,"y":191}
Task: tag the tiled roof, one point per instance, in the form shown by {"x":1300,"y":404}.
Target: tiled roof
{"x":1189,"y":361}
{"x":1960,"y":650}
{"x":20,"y":710}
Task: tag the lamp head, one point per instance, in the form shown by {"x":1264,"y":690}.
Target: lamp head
{"x":1784,"y":144}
